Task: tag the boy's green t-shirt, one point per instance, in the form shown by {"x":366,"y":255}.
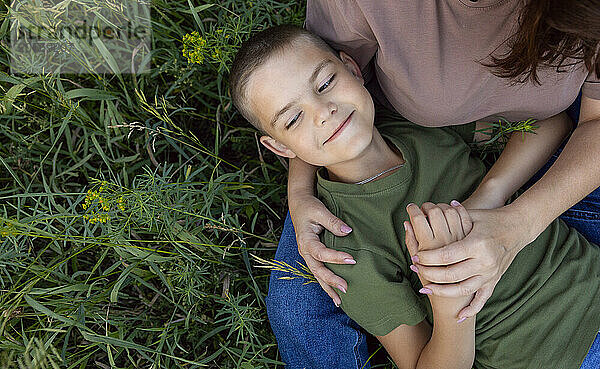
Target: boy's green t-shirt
{"x":544,"y":312}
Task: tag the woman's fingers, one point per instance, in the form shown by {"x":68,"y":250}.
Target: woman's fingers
{"x":321,"y":215}
{"x":327,"y":279}
{"x":463,"y":288}
{"x":481,"y":297}
{"x":310,"y":244}
{"x":309,"y":220}
{"x":320,"y":271}
{"x":449,"y":254}
{"x":321,"y":253}
{"x":451,"y":273}
{"x":465,"y":217}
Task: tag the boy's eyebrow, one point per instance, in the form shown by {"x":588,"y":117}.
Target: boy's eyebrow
{"x":311,"y":80}
{"x":280,"y":113}
{"x":317,"y":70}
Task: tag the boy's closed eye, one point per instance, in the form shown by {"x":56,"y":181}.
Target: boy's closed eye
{"x":326,"y":84}
{"x":321,"y":88}
{"x":293,"y":121}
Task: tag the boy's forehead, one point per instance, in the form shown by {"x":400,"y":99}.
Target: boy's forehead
{"x":284,"y":77}
{"x":296,"y":61}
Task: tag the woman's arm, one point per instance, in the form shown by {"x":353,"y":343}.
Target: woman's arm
{"x":523,"y":156}
{"x":574,"y":175}
{"x":449,"y":345}
{"x":310,"y":217}
{"x":499,"y":234}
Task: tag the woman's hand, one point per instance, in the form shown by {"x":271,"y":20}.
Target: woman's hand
{"x":434,"y":226}
{"x":310,"y":217}
{"x":476,"y":263}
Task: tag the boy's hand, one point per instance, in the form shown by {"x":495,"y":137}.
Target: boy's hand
{"x":437,"y":225}
{"x":310,"y":216}
{"x":433,"y":226}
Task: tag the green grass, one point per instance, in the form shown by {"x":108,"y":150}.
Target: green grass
{"x":137,"y":212}
{"x":131,"y":207}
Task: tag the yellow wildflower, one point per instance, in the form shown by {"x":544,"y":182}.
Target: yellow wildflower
{"x":194,"y":47}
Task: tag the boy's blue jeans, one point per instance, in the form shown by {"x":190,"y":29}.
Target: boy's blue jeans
{"x":312,"y":333}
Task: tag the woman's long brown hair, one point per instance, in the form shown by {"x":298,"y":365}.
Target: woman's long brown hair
{"x":556,"y":33}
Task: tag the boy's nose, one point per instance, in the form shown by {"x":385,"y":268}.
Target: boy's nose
{"x":326,"y":112}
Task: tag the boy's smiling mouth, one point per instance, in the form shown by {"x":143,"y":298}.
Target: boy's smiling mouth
{"x":340,"y":128}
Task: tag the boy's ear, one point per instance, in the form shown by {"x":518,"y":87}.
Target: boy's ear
{"x":277,"y":147}
{"x":351,"y":65}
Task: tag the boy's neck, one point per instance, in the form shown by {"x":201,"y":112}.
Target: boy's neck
{"x":376,"y":158}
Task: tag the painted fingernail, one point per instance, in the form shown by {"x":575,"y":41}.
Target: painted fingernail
{"x":425,"y":291}
{"x":454,"y":203}
{"x":461,"y":320}
{"x":409,"y":204}
{"x":415,"y":259}
{"x":405,"y":227}
{"x":349,"y":261}
{"x":336,"y":304}
{"x":341,"y":288}
{"x":346,"y":229}
{"x":414,"y":269}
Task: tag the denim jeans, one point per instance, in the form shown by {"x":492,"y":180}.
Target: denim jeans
{"x":312,"y":333}
{"x":592,"y":360}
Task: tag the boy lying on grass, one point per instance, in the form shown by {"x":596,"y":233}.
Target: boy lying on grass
{"x":544,"y":313}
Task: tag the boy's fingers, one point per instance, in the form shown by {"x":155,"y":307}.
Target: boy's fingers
{"x":420,"y":226}
{"x":454,"y":223}
{"x":411,"y":242}
{"x":465,"y":217}
{"x":437,"y":220}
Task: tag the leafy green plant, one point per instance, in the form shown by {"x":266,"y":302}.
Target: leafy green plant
{"x":497,"y":136}
{"x":130,"y":205}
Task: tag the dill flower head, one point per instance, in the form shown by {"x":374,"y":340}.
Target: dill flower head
{"x":99,"y":202}
{"x":194,"y":47}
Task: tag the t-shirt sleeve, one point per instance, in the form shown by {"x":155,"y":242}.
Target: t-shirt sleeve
{"x":343,"y":25}
{"x":379,"y":297}
{"x":591,"y":86}
{"x":466,"y":131}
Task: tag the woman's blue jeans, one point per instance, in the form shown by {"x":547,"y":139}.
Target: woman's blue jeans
{"x":312,"y":333}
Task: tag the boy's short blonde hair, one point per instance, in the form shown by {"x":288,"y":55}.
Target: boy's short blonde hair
{"x":254,"y":52}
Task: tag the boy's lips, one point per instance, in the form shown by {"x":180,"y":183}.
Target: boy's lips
{"x":340,"y":128}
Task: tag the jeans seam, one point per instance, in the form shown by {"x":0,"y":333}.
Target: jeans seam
{"x":581,"y":214}
{"x":357,"y":357}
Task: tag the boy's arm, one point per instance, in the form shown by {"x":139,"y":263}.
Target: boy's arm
{"x":449,"y":345}
{"x":523,"y":156}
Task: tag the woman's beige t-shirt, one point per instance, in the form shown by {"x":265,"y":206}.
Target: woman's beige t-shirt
{"x":426,"y":55}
